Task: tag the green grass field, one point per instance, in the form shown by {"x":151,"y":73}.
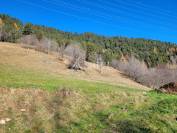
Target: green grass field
{"x":93,"y":106}
{"x":12,"y":77}
{"x":156,"y":114}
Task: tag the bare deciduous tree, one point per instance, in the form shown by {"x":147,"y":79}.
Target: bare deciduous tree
{"x":1,"y":25}
{"x":61,"y":46}
{"x":173,"y":59}
{"x":46,"y":44}
{"x":0,"y":33}
{"x":99,"y":61}
{"x":77,"y":56}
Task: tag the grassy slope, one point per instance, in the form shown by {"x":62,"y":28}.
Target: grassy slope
{"x":92,"y":107}
{"x":11,"y":77}
{"x":13,"y":55}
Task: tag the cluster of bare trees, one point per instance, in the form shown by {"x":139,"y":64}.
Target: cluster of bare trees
{"x":44,"y":44}
{"x":157,"y":77}
{"x":31,"y":41}
{"x":62,"y":47}
{"x":152,"y":77}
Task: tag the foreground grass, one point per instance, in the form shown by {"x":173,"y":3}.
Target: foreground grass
{"x":156,"y":114}
{"x":84,"y":106}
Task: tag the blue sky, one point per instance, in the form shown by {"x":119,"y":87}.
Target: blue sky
{"x":152,"y":19}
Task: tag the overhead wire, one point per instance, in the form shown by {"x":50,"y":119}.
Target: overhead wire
{"x":65,"y":13}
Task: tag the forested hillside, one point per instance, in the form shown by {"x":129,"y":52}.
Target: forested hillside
{"x":152,"y":52}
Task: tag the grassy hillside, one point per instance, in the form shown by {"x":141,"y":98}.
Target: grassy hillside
{"x":37,"y":98}
{"x":26,"y":59}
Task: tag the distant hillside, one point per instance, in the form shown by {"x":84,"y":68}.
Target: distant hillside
{"x":152,"y":52}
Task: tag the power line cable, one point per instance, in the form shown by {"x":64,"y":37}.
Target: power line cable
{"x":73,"y":15}
{"x":128,"y":12}
{"x":107,"y":16}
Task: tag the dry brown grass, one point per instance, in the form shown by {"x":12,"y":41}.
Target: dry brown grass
{"x":30,"y":59}
{"x":38,"y":110}
{"x":27,"y":109}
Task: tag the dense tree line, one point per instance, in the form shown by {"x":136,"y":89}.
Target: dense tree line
{"x":152,"y":52}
